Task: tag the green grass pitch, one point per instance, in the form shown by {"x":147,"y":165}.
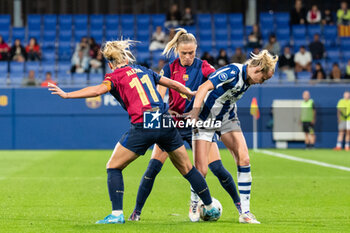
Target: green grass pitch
{"x":66,"y":191}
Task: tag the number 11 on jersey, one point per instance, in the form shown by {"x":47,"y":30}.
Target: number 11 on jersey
{"x":135,"y":82}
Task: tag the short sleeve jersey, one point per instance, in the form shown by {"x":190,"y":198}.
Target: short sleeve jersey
{"x":134,"y":87}
{"x":190,"y":76}
{"x":344,"y":107}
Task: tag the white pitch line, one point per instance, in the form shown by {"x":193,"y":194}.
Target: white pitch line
{"x":280,"y":155}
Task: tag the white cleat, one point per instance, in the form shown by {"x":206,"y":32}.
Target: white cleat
{"x":248,"y":218}
{"x":194,"y":212}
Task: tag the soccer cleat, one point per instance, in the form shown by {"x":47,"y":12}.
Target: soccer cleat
{"x":248,"y":217}
{"x":112,"y":219}
{"x":346,"y":148}
{"x":337,"y":148}
{"x":212,"y":215}
{"x":134,"y":216}
{"x":194,"y":211}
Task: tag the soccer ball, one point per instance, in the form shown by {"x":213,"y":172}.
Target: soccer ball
{"x":216,"y":203}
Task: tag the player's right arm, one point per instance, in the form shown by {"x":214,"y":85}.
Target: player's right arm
{"x":198,"y":101}
{"x":86,"y":92}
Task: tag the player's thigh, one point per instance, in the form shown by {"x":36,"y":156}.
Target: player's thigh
{"x":180,"y":159}
{"x":214,"y":153}
{"x":235,"y":142}
{"x":121,"y":157}
{"x":159,"y":154}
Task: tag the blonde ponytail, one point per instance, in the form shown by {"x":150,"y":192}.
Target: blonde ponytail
{"x":181,"y":36}
{"x":118,"y":51}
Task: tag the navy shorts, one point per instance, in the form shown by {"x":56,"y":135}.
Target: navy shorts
{"x":138,"y":139}
{"x":186,"y":135}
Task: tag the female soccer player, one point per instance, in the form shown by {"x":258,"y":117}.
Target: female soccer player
{"x":192,"y":72}
{"x":216,"y":100}
{"x":134,"y":87}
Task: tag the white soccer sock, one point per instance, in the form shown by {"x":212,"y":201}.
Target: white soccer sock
{"x":244,"y":178}
{"x":194,"y":196}
{"x":339,"y":144}
{"x":117,"y":212}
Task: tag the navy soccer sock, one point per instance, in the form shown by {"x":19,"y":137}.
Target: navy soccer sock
{"x":146,"y":183}
{"x":199,"y":185}
{"x":226,"y":181}
{"x":115,"y":188}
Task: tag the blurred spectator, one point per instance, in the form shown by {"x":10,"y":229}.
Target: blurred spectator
{"x":222,"y":59}
{"x":18,"y":53}
{"x":94,"y":48}
{"x":327,"y":17}
{"x":170,"y":35}
{"x":316,"y":48}
{"x":80,"y":62}
{"x":158,"y":39}
{"x":209,"y":58}
{"x":33,"y":50}
{"x":4,"y":49}
{"x":303,"y":60}
{"x":83,"y":45}
{"x":314,"y":15}
{"x":97,"y":64}
{"x":187,"y":17}
{"x":273,"y":46}
{"x":173,"y":17}
{"x":335,"y":72}
{"x":255,"y":38}
{"x":286,"y":63}
{"x":48,"y":79}
{"x":256,"y":51}
{"x":160,"y":65}
{"x":318,"y":73}
{"x":239,"y":56}
{"x":30,"y":80}
{"x":298,"y":13}
{"x":343,"y":14}
{"x":347,"y":70}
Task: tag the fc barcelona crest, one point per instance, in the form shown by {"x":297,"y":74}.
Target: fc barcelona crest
{"x":185,"y":77}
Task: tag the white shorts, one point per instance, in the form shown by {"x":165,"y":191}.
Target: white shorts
{"x":207,"y":134}
{"x":344,"y":125}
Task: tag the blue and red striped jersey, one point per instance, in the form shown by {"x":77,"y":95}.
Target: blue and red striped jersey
{"x":190,"y":76}
{"x":134,"y":87}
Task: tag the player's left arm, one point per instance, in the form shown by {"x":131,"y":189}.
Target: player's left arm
{"x":169,"y":83}
{"x":86,"y":92}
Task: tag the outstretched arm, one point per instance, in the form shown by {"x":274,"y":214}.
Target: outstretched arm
{"x":86,"y":92}
{"x":176,"y":86}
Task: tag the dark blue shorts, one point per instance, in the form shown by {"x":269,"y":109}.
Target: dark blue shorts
{"x":186,"y":135}
{"x":138,"y":139}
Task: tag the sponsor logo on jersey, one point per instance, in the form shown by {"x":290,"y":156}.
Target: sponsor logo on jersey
{"x":94,"y":102}
{"x":4,"y":100}
{"x":223,"y":77}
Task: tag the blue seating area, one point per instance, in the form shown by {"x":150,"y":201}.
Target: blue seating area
{"x":58,"y":34}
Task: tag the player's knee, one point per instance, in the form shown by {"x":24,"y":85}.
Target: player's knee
{"x":244,"y":160}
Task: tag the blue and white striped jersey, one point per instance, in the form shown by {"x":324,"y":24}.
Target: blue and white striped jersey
{"x":229,"y":85}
